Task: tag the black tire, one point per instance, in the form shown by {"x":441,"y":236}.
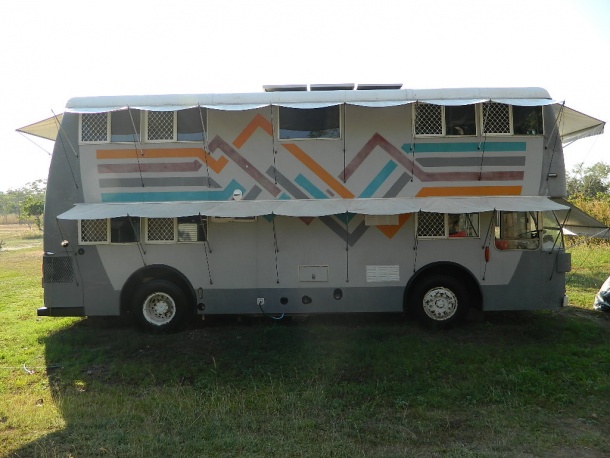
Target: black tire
{"x":439,"y":300}
{"x":159,"y":306}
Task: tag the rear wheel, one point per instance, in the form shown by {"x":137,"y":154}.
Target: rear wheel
{"x":439,"y":300}
{"x":159,"y":306}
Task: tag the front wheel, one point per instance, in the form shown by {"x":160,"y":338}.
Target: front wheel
{"x":439,"y":300}
{"x":159,"y":306}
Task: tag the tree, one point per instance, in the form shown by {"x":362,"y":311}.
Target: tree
{"x":12,"y":201}
{"x":33,"y":206}
{"x":588,"y":182}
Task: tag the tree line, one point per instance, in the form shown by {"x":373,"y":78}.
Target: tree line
{"x":26,"y":203}
{"x":589,"y":189}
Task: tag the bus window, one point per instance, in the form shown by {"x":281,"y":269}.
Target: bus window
{"x":460,"y":120}
{"x":124,"y":230}
{"x":517,"y":231}
{"x":443,"y":225}
{"x":552,"y":238}
{"x":463,"y":225}
{"x":527,"y":120}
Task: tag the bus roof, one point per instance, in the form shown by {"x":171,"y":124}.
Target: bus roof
{"x":311,"y":99}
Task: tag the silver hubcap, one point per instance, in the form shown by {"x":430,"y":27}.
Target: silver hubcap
{"x":159,"y":309}
{"x":440,"y":303}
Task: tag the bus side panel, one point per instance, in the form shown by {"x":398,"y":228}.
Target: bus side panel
{"x":536,"y":284}
{"x":328,"y":299}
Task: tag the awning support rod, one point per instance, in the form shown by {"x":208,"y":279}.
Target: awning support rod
{"x":206,"y":149}
{"x":137,"y":146}
{"x":138,"y":241}
{"x":206,"y":247}
{"x":276,"y":250}
{"x":346,"y":247}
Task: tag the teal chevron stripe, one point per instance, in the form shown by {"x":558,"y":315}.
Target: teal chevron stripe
{"x":470,"y":147}
{"x":177,"y":196}
{"x":379,"y":179}
{"x":309,"y":187}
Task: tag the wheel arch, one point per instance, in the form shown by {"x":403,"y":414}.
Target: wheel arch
{"x":155,"y":272}
{"x":447,"y":268}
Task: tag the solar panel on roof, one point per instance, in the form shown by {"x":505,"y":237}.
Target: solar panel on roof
{"x":332,"y":87}
{"x":285,"y":87}
{"x":372,"y":87}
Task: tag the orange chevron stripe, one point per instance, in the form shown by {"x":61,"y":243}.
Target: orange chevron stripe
{"x":471,"y":191}
{"x":260,"y":122}
{"x":257,"y":122}
{"x":318,"y":170}
{"x":390,"y":231}
{"x":215,"y":164}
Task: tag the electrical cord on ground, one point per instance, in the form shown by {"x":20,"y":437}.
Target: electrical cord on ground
{"x":275,"y":318}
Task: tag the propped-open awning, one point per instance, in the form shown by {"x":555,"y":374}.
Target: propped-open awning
{"x":580,"y":223}
{"x":311,"y":207}
{"x":574,"y":125}
{"x":47,"y":128}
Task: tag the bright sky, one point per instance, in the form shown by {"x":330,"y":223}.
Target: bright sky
{"x":54,"y":50}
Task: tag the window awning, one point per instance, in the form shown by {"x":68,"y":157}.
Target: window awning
{"x":580,"y":223}
{"x":311,"y":207}
{"x":573,"y":125}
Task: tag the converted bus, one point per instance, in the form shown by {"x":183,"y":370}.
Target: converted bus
{"x":311,"y":199}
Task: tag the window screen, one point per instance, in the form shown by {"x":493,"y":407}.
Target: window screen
{"x":160,"y":230}
{"x":94,"y":127}
{"x":496,"y":118}
{"x":160,"y":125}
{"x":444,"y":225}
{"x":428,"y":119}
{"x":183,"y":229}
{"x":430,"y":225}
{"x":94,"y":231}
{"x":298,"y":123}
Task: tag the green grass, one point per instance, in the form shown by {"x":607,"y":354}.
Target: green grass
{"x":504,"y":384}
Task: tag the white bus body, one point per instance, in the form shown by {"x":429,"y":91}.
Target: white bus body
{"x":296,"y":201}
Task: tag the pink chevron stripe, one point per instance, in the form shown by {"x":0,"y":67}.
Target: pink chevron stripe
{"x":246,"y":166}
{"x":150,"y":167}
{"x":378,"y":141}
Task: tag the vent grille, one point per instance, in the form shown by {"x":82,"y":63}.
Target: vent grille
{"x":187,"y":232}
{"x":57,"y":269}
{"x":496,"y":118}
{"x":430,"y":225}
{"x":94,"y":127}
{"x":428,"y":119}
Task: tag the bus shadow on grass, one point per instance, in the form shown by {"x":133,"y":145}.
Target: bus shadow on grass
{"x":331,"y":384}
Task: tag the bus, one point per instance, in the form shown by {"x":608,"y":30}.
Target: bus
{"x":309,"y":199}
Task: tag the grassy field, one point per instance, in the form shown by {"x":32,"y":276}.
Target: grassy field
{"x":502,"y":385}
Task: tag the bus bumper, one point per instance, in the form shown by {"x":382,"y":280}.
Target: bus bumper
{"x":60,"y":311}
